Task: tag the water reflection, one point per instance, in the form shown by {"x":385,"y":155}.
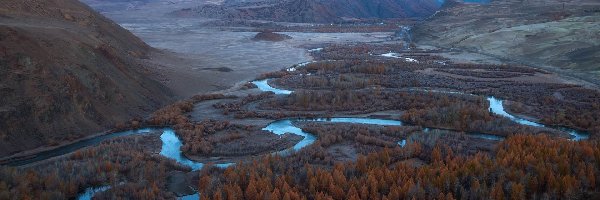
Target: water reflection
{"x":263,"y":85}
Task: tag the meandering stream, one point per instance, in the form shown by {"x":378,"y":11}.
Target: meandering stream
{"x":264,"y":86}
{"x":496,"y":107}
{"x":89,"y":192}
{"x":171,"y":147}
{"x":171,"y":144}
{"x":287,"y":126}
{"x":75,"y":146}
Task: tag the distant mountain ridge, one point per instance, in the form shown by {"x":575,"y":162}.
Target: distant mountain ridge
{"x":318,"y":11}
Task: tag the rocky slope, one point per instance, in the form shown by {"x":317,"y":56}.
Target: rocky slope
{"x":320,"y":11}
{"x":67,"y":72}
{"x":555,"y":34}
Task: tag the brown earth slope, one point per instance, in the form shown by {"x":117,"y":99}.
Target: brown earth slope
{"x":67,"y":72}
{"x":563,"y":36}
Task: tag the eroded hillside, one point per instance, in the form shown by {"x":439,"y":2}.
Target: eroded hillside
{"x":67,"y":72}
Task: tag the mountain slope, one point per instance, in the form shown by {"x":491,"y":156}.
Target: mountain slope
{"x":67,"y":72}
{"x":555,"y":34}
{"x":320,"y":11}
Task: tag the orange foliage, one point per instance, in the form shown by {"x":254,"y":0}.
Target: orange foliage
{"x":523,"y":167}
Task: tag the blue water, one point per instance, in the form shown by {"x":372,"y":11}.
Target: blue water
{"x":76,"y":146}
{"x":286,"y":126}
{"x":402,"y":143}
{"x":171,"y":144}
{"x":89,"y":192}
{"x":356,"y":120}
{"x":264,"y":86}
{"x":190,"y":197}
{"x":171,"y":148}
{"x":487,"y":136}
{"x":577,"y":135}
{"x":497,"y":107}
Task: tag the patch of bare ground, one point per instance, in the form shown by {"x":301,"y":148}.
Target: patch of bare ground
{"x":460,"y":143}
{"x":520,"y":110}
{"x":484,"y":75}
{"x":187,"y":75}
{"x":270,"y":36}
{"x":343,"y":152}
{"x":181,"y":183}
{"x":239,"y":146}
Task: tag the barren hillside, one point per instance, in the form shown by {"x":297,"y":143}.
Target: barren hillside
{"x":561,"y":35}
{"x":67,"y":72}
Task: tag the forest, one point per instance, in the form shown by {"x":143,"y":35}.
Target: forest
{"x":346,"y":71}
{"x":299,"y":99}
{"x":124,"y":162}
{"x":449,"y":145}
{"x":521,"y":167}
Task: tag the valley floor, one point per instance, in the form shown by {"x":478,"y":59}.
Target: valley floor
{"x":331,"y":116}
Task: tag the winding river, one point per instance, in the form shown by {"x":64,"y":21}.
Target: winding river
{"x":171,"y":148}
{"x":264,"y":86}
{"x":496,"y":107}
{"x":287,"y":126}
{"x":171,"y":144}
{"x":89,"y":192}
{"x":75,"y":146}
